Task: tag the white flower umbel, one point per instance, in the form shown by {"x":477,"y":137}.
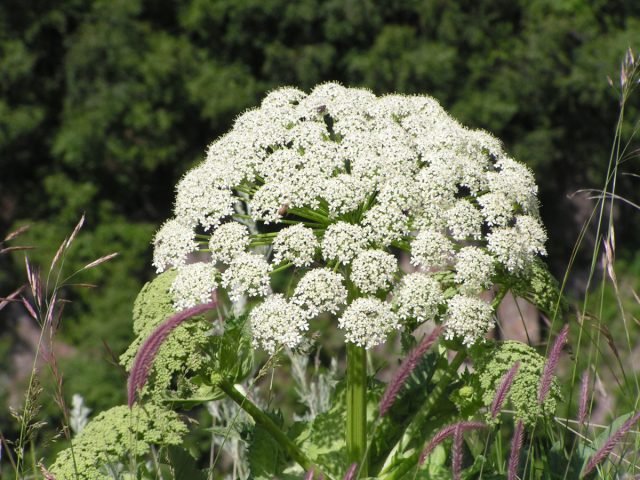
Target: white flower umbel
{"x":320,"y":290}
{"x":464,"y":220}
{"x":343,"y":241}
{"x":385,"y":224}
{"x":497,"y":208}
{"x":516,"y":182}
{"x":368,"y":321}
{"x":474,"y":269}
{"x":331,"y":184}
{"x":431,"y":249}
{"x":248,"y":274}
{"x":373,"y":270}
{"x":200,"y":201}
{"x":228,"y":241}
{"x":172,"y":244}
{"x":344,"y":193}
{"x":468,"y":318}
{"x":276,"y":322}
{"x":516,"y":247}
{"x":193,"y":285}
{"x":418,"y":297}
{"x":296,"y":244}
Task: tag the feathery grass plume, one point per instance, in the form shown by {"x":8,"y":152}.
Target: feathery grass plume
{"x":46,"y":474}
{"x":584,"y":393}
{"x":456,"y":453}
{"x":503,"y":390}
{"x":408,"y":365}
{"x":16,"y":233}
{"x":4,"y":301}
{"x":608,"y":446}
{"x":516,"y":446}
{"x":446,"y":432}
{"x":149,"y":349}
{"x":351,"y":473}
{"x":551,"y":364}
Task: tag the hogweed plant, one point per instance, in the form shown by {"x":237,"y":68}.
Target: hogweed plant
{"x":384,"y":218}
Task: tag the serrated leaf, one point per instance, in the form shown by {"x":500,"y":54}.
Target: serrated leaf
{"x":233,"y":353}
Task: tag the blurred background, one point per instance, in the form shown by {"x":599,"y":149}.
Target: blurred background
{"x":104,"y":104}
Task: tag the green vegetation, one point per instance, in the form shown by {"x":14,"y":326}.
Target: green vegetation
{"x":105,"y":104}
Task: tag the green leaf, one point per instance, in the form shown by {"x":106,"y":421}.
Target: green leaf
{"x":184,"y":465}
{"x":232,"y":351}
{"x":266,"y":459}
{"x":323,"y":439}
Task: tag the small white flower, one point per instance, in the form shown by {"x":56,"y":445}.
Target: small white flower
{"x":400,"y":191}
{"x":267,"y":202}
{"x":385,"y":224}
{"x":344,"y":193}
{"x":276,"y":322}
{"x":373,"y":270}
{"x":172,"y":244}
{"x":497,"y":208}
{"x":248,"y":274}
{"x":418,"y":297}
{"x":431,"y":249}
{"x":474,"y":269}
{"x":516,"y":182}
{"x":193,"y":285}
{"x":230,"y":160}
{"x":516,"y":247}
{"x":283,"y":98}
{"x":200,"y":200}
{"x":343,"y":241}
{"x":228,"y":241}
{"x":436,"y":183}
{"x":368,"y":321}
{"x":296,"y":244}
{"x":464,"y":220}
{"x":430,"y":216}
{"x":320,"y":290}
{"x":468,"y":318}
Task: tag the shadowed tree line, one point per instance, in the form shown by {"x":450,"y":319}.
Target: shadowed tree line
{"x":104,"y":104}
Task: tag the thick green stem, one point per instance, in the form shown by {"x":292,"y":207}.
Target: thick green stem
{"x":269,"y":425}
{"x":357,"y":407}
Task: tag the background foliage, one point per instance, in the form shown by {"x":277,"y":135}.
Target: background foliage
{"x":104,"y":104}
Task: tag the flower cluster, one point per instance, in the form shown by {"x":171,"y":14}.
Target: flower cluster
{"x":118,"y":436}
{"x":340,"y":186}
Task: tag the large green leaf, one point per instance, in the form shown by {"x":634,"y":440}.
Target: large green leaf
{"x":267,"y":460}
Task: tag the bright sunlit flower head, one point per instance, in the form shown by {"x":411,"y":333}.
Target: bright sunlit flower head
{"x":468,"y":318}
{"x":173,"y":243}
{"x":319,"y":291}
{"x":193,"y":285}
{"x":276,"y":322}
{"x":296,"y":244}
{"x":335,"y":190}
{"x":418,"y":297}
{"x":228,"y":241}
{"x":368,"y":321}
